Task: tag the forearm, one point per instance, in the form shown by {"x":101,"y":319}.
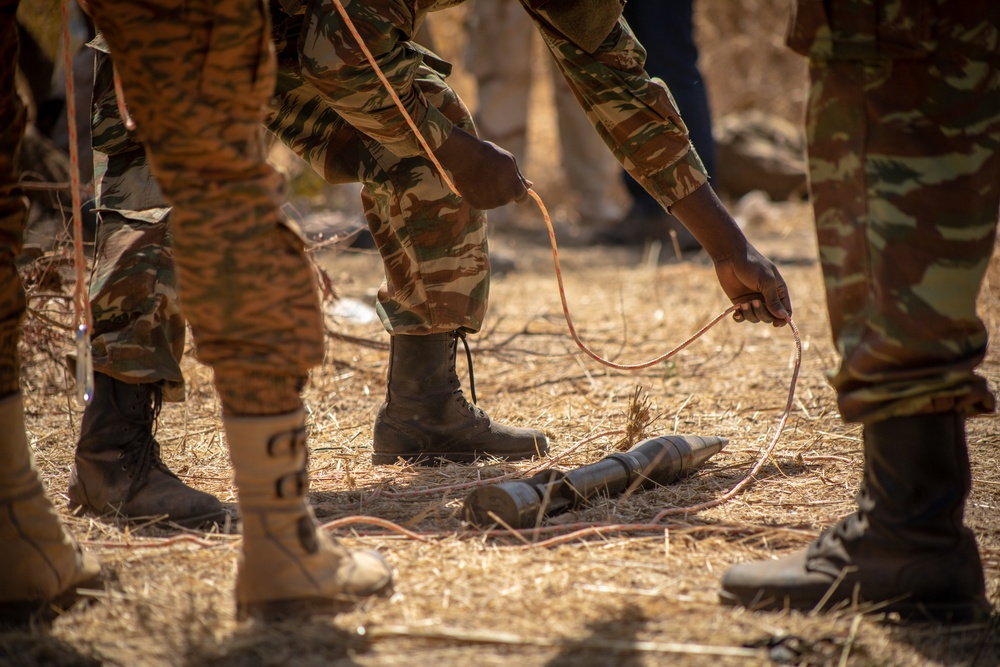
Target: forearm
{"x":748,"y":278}
{"x":633,"y":113}
{"x":705,"y":217}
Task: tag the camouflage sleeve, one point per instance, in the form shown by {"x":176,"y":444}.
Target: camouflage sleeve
{"x":635,"y":114}
{"x":334,"y":63}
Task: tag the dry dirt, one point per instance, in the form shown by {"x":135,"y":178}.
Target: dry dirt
{"x":634,"y":594}
{"x":599,"y":587}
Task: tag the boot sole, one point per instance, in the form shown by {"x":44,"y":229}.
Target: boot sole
{"x":287,"y":609}
{"x":279,"y":610}
{"x":444,"y":458}
{"x":199,"y":521}
{"x":971,"y":612}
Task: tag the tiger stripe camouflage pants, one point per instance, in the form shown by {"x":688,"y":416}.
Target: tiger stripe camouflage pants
{"x":196,"y":77}
{"x":904,"y":161}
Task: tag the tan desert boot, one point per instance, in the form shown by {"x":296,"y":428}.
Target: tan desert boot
{"x":287,"y":566}
{"x":41,"y":567}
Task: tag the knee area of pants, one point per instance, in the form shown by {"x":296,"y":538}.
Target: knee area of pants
{"x":325,"y":68}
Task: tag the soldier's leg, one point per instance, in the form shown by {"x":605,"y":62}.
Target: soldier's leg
{"x":666,"y":30}
{"x":41,"y":566}
{"x":138,"y":336}
{"x":13,"y":205}
{"x":196,"y":79}
{"x":905,"y":237}
{"x":498,"y":54}
{"x":433,"y":247}
{"x":906,"y":190}
{"x":139,"y":331}
{"x":434,"y":251}
{"x":591,"y":170}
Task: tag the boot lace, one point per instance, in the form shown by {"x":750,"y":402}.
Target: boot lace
{"x":846,"y":531}
{"x":143,"y":454}
{"x":460,"y":335}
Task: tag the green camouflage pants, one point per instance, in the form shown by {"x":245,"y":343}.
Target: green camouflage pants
{"x":196,"y":76}
{"x":904,"y":161}
{"x":433,"y":245}
{"x":13,"y":207}
{"x":138,"y":326}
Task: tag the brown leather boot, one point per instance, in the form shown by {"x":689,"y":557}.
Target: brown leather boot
{"x":41,"y":567}
{"x":425,"y":417}
{"x":905,"y":548}
{"x":118,"y":468}
{"x":287,"y":566}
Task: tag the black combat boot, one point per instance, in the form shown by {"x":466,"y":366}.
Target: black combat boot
{"x":426,"y":418}
{"x":118,"y":468}
{"x":904,"y":549}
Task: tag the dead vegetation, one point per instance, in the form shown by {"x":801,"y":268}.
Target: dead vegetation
{"x":608,"y":585}
{"x":605,"y":585}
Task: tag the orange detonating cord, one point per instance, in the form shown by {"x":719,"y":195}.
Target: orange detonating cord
{"x":82,"y":321}
{"x":562,"y":292}
{"x":548,"y":223}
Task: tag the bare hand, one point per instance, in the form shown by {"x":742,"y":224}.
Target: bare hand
{"x":485,"y":175}
{"x":754,"y":284}
{"x":748,"y":278}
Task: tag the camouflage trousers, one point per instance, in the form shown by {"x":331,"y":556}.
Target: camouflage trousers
{"x":196,"y":77}
{"x":339,"y":119}
{"x":433,"y":245}
{"x":904,"y":162}
{"x":13,"y":207}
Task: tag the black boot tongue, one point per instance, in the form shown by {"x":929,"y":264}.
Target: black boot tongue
{"x":141,"y":455}
{"x":828,"y":554}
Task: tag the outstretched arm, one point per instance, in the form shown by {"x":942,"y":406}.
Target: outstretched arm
{"x":638,"y":121}
{"x":748,"y":278}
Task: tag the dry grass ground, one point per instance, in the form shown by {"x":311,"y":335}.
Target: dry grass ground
{"x":634,"y":595}
{"x":621,"y":593}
